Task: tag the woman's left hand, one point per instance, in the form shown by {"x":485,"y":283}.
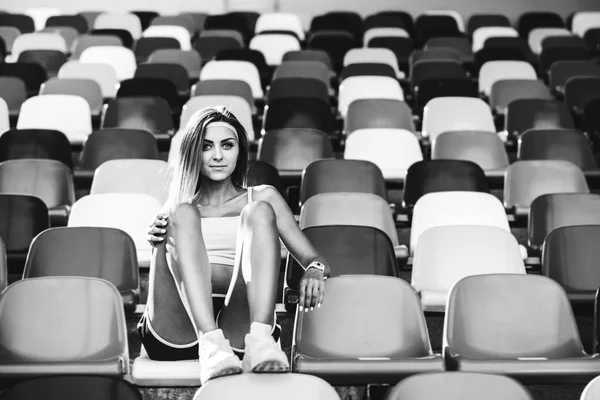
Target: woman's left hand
{"x":312,"y":289}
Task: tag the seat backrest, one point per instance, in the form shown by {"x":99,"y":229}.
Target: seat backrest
{"x":132,"y":176}
{"x":294,"y":148}
{"x":334,"y":334}
{"x":22,"y":217}
{"x":120,"y":58}
{"x":402,"y":149}
{"x":540,"y":322}
{"x":84,"y":41}
{"x":237,"y":105}
{"x":551,"y":211}
{"x":190,"y":60}
{"x":49,"y":180}
{"x":340,"y":208}
{"x":89,"y":89}
{"x":279,"y":21}
{"x":445,"y":114}
{"x":327,"y":176}
{"x":456,"y":208}
{"x":177,"y":32}
{"x":525,"y":114}
{"x":128,"y":22}
{"x":129,"y":212}
{"x":494,"y":71}
{"x":35,"y":143}
{"x":149,"y":113}
{"x":378,"y":113}
{"x":372,"y":55}
{"x":103,"y":74}
{"x":38,"y":41}
{"x":480,"y":35}
{"x":485,"y":149}
{"x":568,"y":256}
{"x":367,"y":87}
{"x":83,"y":321}
{"x":537,"y":36}
{"x":524,"y":181}
{"x":104,"y":253}
{"x":3,"y":266}
{"x":4,"y":116}
{"x":459,"y":385}
{"x":274,"y":46}
{"x":503,"y":92}
{"x":230,"y":69}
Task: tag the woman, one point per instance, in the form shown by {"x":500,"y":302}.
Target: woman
{"x":217,"y":226}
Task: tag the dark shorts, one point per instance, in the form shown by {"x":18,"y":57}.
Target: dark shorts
{"x":160,"y":351}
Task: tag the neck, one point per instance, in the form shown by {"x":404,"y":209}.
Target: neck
{"x":215,"y":194}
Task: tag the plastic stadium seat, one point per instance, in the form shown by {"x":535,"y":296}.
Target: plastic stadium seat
{"x":294,"y":386}
{"x":446,"y":87}
{"x":545,"y":346}
{"x":430,"y":26}
{"x":33,"y":74}
{"x":367,"y":87}
{"x":181,"y":34}
{"x":4,"y":116}
{"x":557,"y":144}
{"x":41,"y":14}
{"x":303,"y":69}
{"x":362,"y":346}
{"x":529,"y":21}
{"x":581,"y":90}
{"x":562,"y":41}
{"x":225,"y":87}
{"x":3,"y":266}
{"x":274,"y":46}
{"x":443,"y":54}
{"x":184,"y":21}
{"x":51,"y":60}
{"x":450,"y":13}
{"x":171,"y":72}
{"x":24,"y":23}
{"x":68,"y":34}
{"x":157,"y":88}
{"x":71,"y":342}
{"x":292,"y":149}
{"x":86,"y":88}
{"x":552,"y":211}
{"x":152,"y":114}
{"x":280,"y":22}
{"x":38,"y":41}
{"x":378,"y":113}
{"x":456,"y":208}
{"x":460,"y":45}
{"x":537,"y":35}
{"x":331,"y":176}
{"x":85,"y":41}
{"x":494,"y":71}
{"x":556,"y":54}
{"x":104,"y":253}
{"x":299,"y":112}
{"x":237,"y":105}
{"x":335,"y":43}
{"x":481,"y":20}
{"x":66,"y":113}
{"x":76,"y":22}
{"x":367,"y":69}
{"x":483,"y":33}
{"x":339,"y":208}
{"x":132,"y":176}
{"x":349,"y":250}
{"x":591,"y":118}
{"x":525,"y":114}
{"x":401,"y":47}
{"x":129,"y":212}
{"x":128,"y":22}
{"x":146,"y":17}
{"x":447,"y":254}
{"x":590,"y":391}
{"x":445,"y":114}
{"x":145,"y":46}
{"x":229,"y":21}
{"x":373,"y":55}
{"x":309,"y":55}
{"x":9,"y":34}
{"x":504,"y":92}
{"x":235,"y":40}
{"x":73,"y":387}
{"x":567,"y":258}
{"x":401,"y":149}
{"x":22,"y":218}
{"x":113,"y":144}
{"x":524,"y":181}
{"x":49,"y":180}
{"x":103,"y":74}
{"x":503,"y":48}
{"x":435,"y":69}
{"x":90,"y":17}
{"x":123,"y":35}
{"x":431,"y":176}
{"x":298,"y":87}
{"x":190,"y":60}
{"x":242,"y":70}
{"x":120,"y":58}
{"x":458,"y":385}
{"x":254,"y":57}
{"x":35,"y":143}
{"x":393,"y":19}
{"x":339,"y":21}
{"x":483,"y":148}
{"x":584,"y":21}
{"x":374,"y":33}
{"x":562,"y":71}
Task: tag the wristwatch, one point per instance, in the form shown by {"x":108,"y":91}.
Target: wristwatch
{"x":317,"y":265}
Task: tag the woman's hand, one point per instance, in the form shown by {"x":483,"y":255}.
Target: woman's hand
{"x":157,"y":230}
{"x":312,"y":289}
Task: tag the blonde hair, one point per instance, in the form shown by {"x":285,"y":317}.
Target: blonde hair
{"x":185,"y":172}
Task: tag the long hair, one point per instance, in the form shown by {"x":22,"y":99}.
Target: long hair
{"x":185,"y":173}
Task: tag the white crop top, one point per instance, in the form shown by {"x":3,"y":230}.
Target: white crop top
{"x":220,"y":237}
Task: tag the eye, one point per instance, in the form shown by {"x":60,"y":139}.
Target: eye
{"x":205,"y":146}
{"x":228,"y":145}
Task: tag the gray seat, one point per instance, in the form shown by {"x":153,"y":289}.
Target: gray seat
{"x":86,"y":88}
{"x":378,"y":113}
{"x":188,"y":59}
{"x":505,"y":91}
{"x":524,"y":181}
{"x":9,"y":34}
{"x":3,"y":266}
{"x":516,"y":325}
{"x":14,"y":92}
{"x":458,"y":386}
{"x":485,"y":149}
{"x":185,"y":21}
{"x":85,"y":41}
{"x":225,"y":87}
{"x":561,"y":71}
{"x":62,"y":326}
{"x":551,"y":211}
{"x":352,"y":340}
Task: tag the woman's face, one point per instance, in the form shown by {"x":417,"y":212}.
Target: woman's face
{"x":220,"y":150}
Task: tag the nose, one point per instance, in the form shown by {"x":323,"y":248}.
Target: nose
{"x":218,"y":154}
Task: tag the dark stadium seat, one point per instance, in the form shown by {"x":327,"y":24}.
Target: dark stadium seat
{"x":210,"y":47}
{"x":35,"y":143}
{"x":299,"y":113}
{"x":145,"y":46}
{"x":562,"y":71}
{"x":335,"y":43}
{"x":33,"y":74}
{"x":152,"y":114}
{"x":3,"y":266}
{"x":51,"y":60}
{"x":297,"y":88}
{"x":525,"y":114}
{"x":150,"y":88}
{"x":74,"y":21}
{"x":483,"y":148}
{"x":434,"y":69}
{"x":145,"y":17}
{"x":529,"y":21}
{"x":430,"y":26}
{"x":581,"y":90}
{"x":446,"y":87}
{"x":14,"y":92}
{"x":172,"y":72}
{"x":378,"y":113}
{"x":481,"y":20}
{"x":370,"y":69}
{"x":400,"y":46}
{"x":122,"y":34}
{"x":24,"y":23}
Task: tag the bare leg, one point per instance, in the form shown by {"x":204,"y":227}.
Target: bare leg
{"x":190,"y":267}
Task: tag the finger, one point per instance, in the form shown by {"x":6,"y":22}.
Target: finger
{"x":160,"y":222}
{"x":321,"y":294}
{"x":316,"y":288}
{"x":302,"y":294}
{"x":154,"y":239}
{"x":308,"y":295}
{"x":157,"y":231}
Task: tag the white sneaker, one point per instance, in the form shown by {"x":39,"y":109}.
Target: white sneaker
{"x":217,"y":358}
{"x":264,"y":356}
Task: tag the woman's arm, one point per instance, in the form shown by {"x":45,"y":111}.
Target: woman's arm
{"x":311,"y":285}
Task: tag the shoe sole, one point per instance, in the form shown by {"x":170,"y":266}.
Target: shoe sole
{"x":270,"y":367}
{"x":227,"y":371}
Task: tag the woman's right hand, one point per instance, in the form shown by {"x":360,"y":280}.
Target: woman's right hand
{"x":158,"y":230}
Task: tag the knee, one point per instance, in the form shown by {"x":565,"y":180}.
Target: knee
{"x":184,"y":216}
{"x":258,"y":212}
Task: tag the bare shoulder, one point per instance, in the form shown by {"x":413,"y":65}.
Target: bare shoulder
{"x":266,"y":193}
